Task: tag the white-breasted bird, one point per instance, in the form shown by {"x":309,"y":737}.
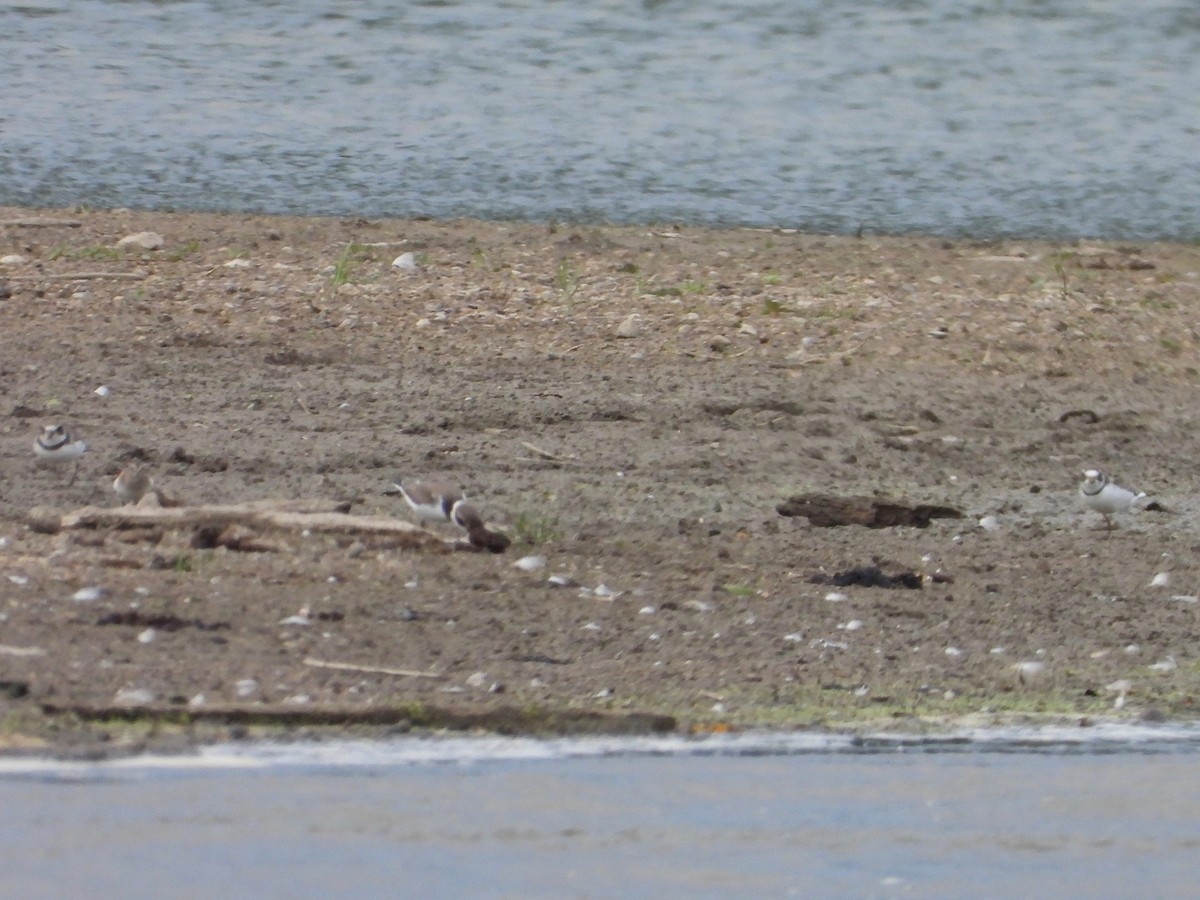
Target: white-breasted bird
{"x":132,"y":484}
{"x":55,"y":446}
{"x":431,"y":499}
{"x":1106,"y":497}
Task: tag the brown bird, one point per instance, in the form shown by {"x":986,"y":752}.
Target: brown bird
{"x":132,"y":484}
{"x":467,"y":517}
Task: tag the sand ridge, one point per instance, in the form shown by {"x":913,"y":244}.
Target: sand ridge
{"x":631,"y":404}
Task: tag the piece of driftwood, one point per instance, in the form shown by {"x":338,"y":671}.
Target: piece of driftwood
{"x":829,"y":511}
{"x":325,"y":516}
{"x":81,"y":276}
{"x":41,"y":223}
{"x":372,"y":670}
{"x":502,"y":720}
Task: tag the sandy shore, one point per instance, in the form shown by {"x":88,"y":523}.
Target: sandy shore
{"x":630,"y":406}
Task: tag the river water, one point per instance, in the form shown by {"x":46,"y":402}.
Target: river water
{"x":1102,"y":812}
{"x":1050,"y":118}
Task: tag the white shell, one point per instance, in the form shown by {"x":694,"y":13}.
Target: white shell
{"x":530,"y":563}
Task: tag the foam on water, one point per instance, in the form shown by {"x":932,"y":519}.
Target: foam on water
{"x":338,"y":755}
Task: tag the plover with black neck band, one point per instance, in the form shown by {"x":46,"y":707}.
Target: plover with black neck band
{"x":1106,"y":497}
{"x":55,"y":446}
{"x":431,"y":499}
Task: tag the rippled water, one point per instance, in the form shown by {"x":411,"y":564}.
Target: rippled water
{"x":1104,"y":812}
{"x":1033,"y":117}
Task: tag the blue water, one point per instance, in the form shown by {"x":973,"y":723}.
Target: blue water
{"x":789,"y":815}
{"x":1021,"y":117}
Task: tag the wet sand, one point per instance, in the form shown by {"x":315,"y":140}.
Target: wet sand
{"x":631,"y":405}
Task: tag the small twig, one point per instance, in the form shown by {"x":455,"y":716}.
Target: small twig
{"x":554,"y":463}
{"x":41,"y":223}
{"x":374,"y":670}
{"x":80,"y":276}
{"x":300,"y":399}
{"x":546,"y":454}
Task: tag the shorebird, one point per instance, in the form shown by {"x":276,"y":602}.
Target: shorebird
{"x":467,"y":517}
{"x":432,"y":499}
{"x":55,"y":446}
{"x":131,"y":484}
{"x":1106,"y":497}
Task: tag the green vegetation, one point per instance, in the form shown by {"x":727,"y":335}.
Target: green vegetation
{"x":739,"y":590}
{"x":352,"y":255}
{"x":566,"y":279}
{"x":183,"y":251}
{"x":534,"y":528}
{"x":92,"y":253}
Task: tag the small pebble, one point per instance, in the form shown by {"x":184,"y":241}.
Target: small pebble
{"x":1162,"y":579}
{"x":630,"y":327}
{"x":530,"y":563}
{"x":245,"y":687}
{"x":146,"y":240}
{"x":133,"y":697}
{"x":718,"y":343}
{"x":836,"y":597}
{"x":147,"y":636}
{"x":102,"y":391}
{"x":406,"y":261}
{"x":88,"y":594}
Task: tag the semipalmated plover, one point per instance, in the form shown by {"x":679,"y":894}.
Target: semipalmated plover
{"x":1105,"y":497}
{"x":467,"y":517}
{"x":132,"y":484}
{"x":55,"y":445}
{"x":432,"y":499}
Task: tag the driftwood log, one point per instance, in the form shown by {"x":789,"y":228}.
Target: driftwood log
{"x":829,"y":511}
{"x":324,"y":516}
{"x":502,"y":720}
